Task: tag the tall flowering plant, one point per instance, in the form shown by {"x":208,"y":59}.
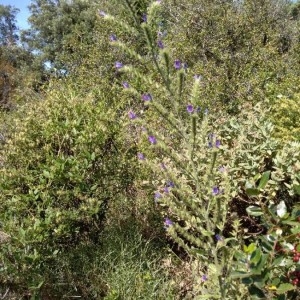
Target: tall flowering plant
{"x":190,"y":178}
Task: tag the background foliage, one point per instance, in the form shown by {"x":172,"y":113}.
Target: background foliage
{"x":150,"y":150}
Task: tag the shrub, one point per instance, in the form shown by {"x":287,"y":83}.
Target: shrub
{"x":64,"y":163}
{"x":285,"y":115}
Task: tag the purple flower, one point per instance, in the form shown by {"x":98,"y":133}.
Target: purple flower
{"x":113,"y":38}
{"x":152,"y":139}
{"x":160,"y":44}
{"x":141,"y":156}
{"x":218,"y":237}
{"x":144,"y":18}
{"x":185,"y":66}
{"x":197,"y":77}
{"x":215,"y":191}
{"x":204,"y":278}
{"x":190,"y":108}
{"x":167,"y":223}
{"x":161,"y":34}
{"x":158,"y":1}
{"x":102,"y":13}
{"x":147,"y":97}
{"x":198,"y":109}
{"x":166,"y":190}
{"x":218,"y":143}
{"x":177,"y":64}
{"x":131,"y":115}
{"x":118,"y":65}
{"x":170,"y":183}
{"x":209,"y":144}
{"x":125,"y":85}
{"x":222,"y":169}
{"x":163,"y":166}
{"x":157,"y":195}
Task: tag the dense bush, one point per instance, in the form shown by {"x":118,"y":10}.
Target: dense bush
{"x":61,"y":167}
{"x":285,"y":116}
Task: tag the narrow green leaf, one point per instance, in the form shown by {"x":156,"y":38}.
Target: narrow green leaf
{"x":255,"y":256}
{"x":254,"y":211}
{"x":264,"y":180}
{"x":240,"y":274}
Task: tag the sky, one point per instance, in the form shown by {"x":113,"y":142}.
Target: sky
{"x":24,"y":12}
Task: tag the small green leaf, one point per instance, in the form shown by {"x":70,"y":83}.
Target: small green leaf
{"x":254,"y":211}
{"x":285,"y":287}
{"x":266,"y":245}
{"x":250,"y":248}
{"x":297,"y":189}
{"x":262,"y":263}
{"x":255,"y":256}
{"x":264,"y":180}
{"x":275,"y":281}
{"x":46,"y":174}
{"x":93,"y":156}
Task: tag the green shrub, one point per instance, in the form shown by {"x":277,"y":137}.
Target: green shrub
{"x":285,"y":116}
{"x":62,"y":166}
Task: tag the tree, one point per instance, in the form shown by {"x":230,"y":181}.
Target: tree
{"x":54,"y":27}
{"x":8,"y":27}
{"x":239,"y":47}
